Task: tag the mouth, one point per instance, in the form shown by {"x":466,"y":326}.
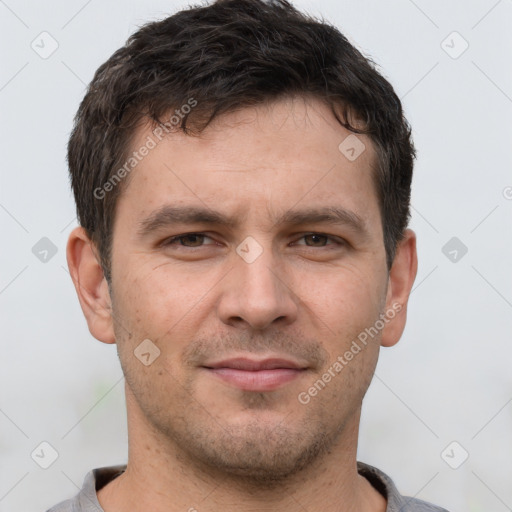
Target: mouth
{"x":253,"y":375}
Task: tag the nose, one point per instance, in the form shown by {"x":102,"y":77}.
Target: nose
{"x":257,"y":295}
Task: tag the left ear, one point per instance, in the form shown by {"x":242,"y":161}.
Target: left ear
{"x":400,"y":281}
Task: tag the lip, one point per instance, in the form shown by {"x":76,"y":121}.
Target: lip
{"x":256,"y":375}
{"x":254,"y":365}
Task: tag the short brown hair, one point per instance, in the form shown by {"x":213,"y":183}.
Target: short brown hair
{"x":226,"y":56}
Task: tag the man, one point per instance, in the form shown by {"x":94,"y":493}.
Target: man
{"x":242,"y":178}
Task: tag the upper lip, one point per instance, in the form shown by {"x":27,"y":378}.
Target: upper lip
{"x":244,"y":363}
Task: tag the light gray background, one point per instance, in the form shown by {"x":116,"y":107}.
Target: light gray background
{"x":448,"y":379}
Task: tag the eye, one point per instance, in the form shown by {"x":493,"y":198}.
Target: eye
{"x":188,"y":240}
{"x":319,"y":240}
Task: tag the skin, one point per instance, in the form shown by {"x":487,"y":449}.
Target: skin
{"x":195,"y":441}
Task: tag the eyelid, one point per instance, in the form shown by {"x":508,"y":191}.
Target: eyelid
{"x":336,"y":240}
{"x":173,"y":239}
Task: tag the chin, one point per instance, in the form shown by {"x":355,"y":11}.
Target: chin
{"x":259,"y":454}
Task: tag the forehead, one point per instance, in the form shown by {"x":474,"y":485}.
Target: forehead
{"x":264,"y":159}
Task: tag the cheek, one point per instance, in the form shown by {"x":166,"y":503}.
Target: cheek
{"x":346,"y":301}
{"x":162,"y":303}
{"x":151,"y":295}
{"x":172,"y":297}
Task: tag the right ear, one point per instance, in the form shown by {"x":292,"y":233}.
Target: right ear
{"x":90,"y":284}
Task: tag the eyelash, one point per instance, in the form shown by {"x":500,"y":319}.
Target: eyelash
{"x":172,"y":241}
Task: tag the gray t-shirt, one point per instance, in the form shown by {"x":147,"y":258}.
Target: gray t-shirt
{"x":87,"y":501}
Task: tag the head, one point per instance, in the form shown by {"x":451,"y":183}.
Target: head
{"x":283,"y":155}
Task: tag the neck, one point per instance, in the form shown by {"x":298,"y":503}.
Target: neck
{"x":161,"y":477}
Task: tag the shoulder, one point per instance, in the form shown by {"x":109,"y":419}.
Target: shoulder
{"x":386,"y":486}
{"x":86,"y":500}
{"x":416,"y":505}
{"x":63,"y":506}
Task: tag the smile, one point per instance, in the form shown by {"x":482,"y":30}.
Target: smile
{"x":251,"y":375}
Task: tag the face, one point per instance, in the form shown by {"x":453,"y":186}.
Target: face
{"x":251,"y":257}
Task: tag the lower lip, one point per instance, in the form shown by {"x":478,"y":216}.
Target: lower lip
{"x":261,"y":380}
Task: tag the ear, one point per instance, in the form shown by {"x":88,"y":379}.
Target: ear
{"x":91,"y":285}
{"x":400,"y":281}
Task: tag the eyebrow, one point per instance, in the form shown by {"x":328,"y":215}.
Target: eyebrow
{"x":169,"y":215}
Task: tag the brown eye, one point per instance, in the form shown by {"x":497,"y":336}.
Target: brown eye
{"x":320,"y":241}
{"x":316,"y":240}
{"x":191,"y":240}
